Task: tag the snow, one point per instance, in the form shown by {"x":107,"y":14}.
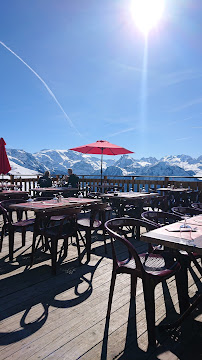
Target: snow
{"x":58,"y":161}
{"x":20,"y":170}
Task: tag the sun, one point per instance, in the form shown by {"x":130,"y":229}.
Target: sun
{"x":147,"y":13}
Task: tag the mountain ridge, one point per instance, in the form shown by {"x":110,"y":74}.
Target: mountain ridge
{"x":58,"y":161}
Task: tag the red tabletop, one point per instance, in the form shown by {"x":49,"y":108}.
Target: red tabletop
{"x":13,"y":192}
{"x":55,"y":189}
{"x":53,"y":204}
{"x":9,"y":185}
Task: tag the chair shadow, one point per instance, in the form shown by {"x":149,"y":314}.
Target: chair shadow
{"x":70,"y":276}
{"x":131,"y":349}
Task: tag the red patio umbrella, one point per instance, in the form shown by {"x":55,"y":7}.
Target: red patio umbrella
{"x":102,"y":147}
{"x":4,"y":162}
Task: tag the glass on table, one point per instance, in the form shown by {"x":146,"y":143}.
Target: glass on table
{"x":60,"y":197}
{"x":185,"y":225}
{"x":30,"y":198}
{"x":55,"y":199}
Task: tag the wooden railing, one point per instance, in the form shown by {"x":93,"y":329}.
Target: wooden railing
{"x":127,"y":183}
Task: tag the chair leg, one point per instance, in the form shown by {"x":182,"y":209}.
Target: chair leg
{"x":2,"y":236}
{"x":33,"y":248}
{"x":11,"y":243}
{"x":105,"y":244}
{"x":78,"y":247}
{"x":65,"y":247}
{"x":133,"y":285}
{"x":111,"y":292}
{"x":54,"y":245}
{"x":23,"y":236}
{"x":150,"y":311}
{"x":181,"y":278}
{"x":88,"y":244}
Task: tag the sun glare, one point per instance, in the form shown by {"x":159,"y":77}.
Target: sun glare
{"x":147,"y":13}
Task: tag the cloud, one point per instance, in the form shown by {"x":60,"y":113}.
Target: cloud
{"x":122,"y":131}
{"x":188,"y":104}
{"x":184,"y":138}
{"x":127,"y":67}
{"x":177,"y":77}
{"x":196,"y":127}
{"x":180,"y":120}
{"x":44,"y":84}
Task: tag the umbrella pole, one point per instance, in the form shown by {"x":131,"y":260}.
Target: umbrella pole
{"x":101,"y":165}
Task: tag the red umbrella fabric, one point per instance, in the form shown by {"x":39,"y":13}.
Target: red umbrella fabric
{"x":102,"y":147}
{"x":4,"y":162}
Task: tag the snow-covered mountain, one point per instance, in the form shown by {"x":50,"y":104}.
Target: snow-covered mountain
{"x":25,"y":159}
{"x":58,"y":161}
{"x":20,"y":170}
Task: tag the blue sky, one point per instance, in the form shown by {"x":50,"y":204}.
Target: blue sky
{"x":91,"y":55}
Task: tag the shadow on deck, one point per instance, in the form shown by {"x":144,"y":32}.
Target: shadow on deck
{"x":64,"y":316}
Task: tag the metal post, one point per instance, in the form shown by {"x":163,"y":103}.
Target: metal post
{"x":101,"y":165}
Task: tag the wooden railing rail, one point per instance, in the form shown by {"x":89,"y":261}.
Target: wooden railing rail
{"x":127,"y":183}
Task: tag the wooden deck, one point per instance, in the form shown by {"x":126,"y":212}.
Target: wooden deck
{"x":63,"y":316}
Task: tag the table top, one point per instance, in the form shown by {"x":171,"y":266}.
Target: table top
{"x":10,"y":185}
{"x":37,"y":206}
{"x":173,"y":189}
{"x":129,"y":195}
{"x":171,"y":236}
{"x":55,"y":189}
{"x":14,"y":192}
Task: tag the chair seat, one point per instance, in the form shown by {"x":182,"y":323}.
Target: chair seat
{"x":67,"y":230}
{"x":57,"y":218}
{"x":23,"y":223}
{"x":153,"y":264}
{"x":85,"y":223}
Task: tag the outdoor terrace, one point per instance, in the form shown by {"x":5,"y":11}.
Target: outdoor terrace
{"x":64,"y":316}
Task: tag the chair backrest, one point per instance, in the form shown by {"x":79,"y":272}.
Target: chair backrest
{"x":115,"y":228}
{"x":7,"y":203}
{"x":98,"y":209}
{"x":193,"y":196}
{"x":180,"y":210}
{"x":197,"y":206}
{"x":160,"y":218}
{"x":18,"y":195}
{"x":4,"y":212}
{"x":43,"y":218}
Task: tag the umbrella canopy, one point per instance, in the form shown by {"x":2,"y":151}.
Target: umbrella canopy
{"x":102,"y":147}
{"x":4,"y":162}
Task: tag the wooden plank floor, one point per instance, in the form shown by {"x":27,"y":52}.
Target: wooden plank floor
{"x":63,"y":316}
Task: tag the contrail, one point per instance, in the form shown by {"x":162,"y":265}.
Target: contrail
{"x":46,"y":86}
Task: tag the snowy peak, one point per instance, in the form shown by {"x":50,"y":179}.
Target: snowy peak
{"x":58,"y":161}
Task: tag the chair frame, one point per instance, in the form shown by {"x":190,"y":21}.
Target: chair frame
{"x":149,"y":280}
{"x":43,"y":227}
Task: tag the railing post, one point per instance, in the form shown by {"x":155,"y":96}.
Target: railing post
{"x":166,"y":181}
{"x":12,"y":179}
{"x":133,"y":182}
